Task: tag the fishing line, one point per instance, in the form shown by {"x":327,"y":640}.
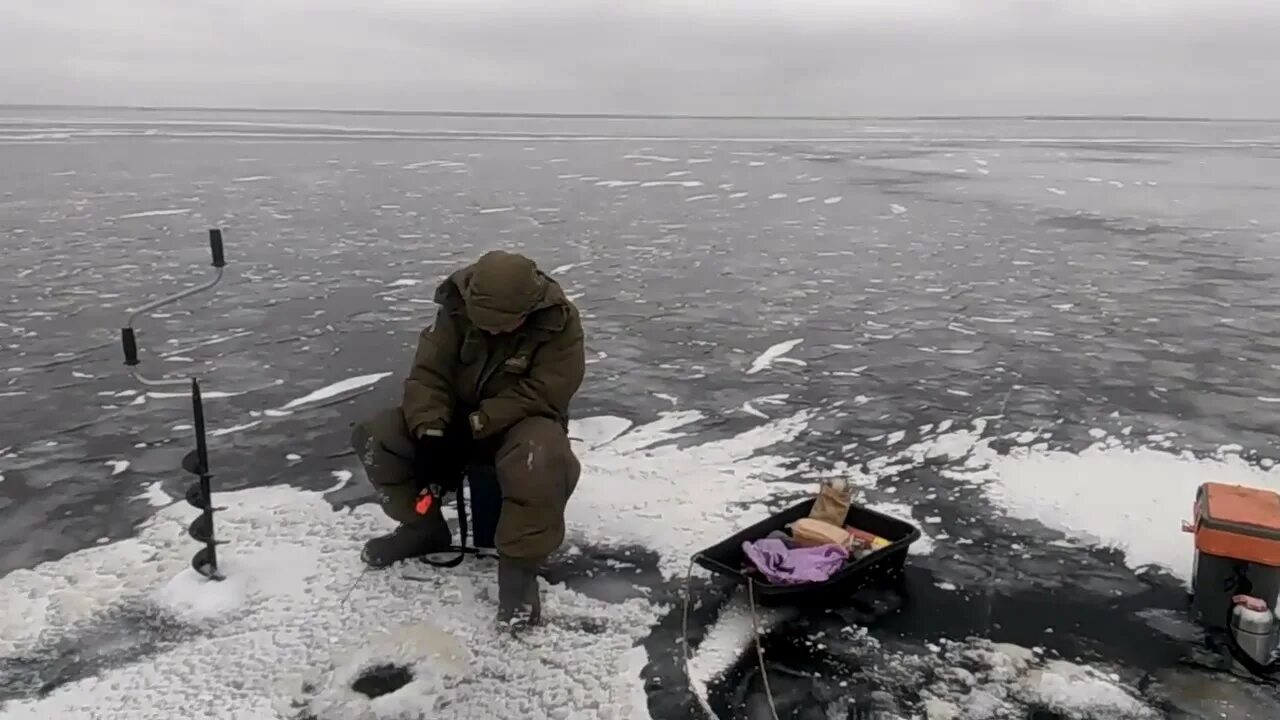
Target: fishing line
{"x":755,"y":632}
{"x":328,"y":636}
{"x":684,"y":643}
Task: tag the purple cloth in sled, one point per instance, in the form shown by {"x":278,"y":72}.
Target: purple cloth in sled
{"x":785,"y":565}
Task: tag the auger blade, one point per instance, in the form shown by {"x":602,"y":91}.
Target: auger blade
{"x":201,"y":529}
{"x":206,"y":564}
{"x":196,"y":498}
{"x":191,"y":463}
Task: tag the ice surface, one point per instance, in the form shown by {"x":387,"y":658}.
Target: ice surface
{"x":336,"y":389}
{"x":279,"y":618}
{"x":770,"y":356}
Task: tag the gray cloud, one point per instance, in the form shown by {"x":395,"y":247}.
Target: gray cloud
{"x":1174,"y":57}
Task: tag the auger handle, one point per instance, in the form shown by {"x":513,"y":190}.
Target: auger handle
{"x":215,"y":246}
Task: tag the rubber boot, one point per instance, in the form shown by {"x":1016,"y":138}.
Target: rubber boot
{"x":519,"y":599}
{"x":430,"y":534}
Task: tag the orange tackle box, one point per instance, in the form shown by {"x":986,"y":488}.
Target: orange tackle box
{"x":1237,"y":541}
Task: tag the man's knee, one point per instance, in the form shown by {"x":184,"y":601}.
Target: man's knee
{"x":383,"y":431}
{"x":536,"y":462}
{"x":384,"y":448}
{"x":538,"y":472}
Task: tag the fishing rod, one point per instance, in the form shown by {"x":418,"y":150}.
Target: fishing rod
{"x":196,"y":462}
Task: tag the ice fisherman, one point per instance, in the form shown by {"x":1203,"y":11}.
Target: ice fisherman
{"x":489,"y":390}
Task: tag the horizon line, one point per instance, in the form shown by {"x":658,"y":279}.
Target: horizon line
{"x":740,"y":117}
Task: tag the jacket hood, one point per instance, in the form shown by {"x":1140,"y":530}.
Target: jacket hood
{"x":502,"y":290}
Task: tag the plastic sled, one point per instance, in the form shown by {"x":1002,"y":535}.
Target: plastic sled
{"x":884,"y":565}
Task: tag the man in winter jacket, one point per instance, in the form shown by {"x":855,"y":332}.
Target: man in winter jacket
{"x":490,"y":386}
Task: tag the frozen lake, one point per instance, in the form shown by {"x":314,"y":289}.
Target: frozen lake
{"x":1032,"y":338}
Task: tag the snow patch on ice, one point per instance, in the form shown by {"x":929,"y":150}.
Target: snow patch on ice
{"x":204,"y":394}
{"x":1131,"y":499}
{"x":336,"y":389}
{"x":651,"y":158}
{"x":155,"y":495}
{"x":902,"y":511}
{"x":640,"y":488}
{"x":770,"y":356}
{"x":154,"y":213}
{"x":727,"y":639}
{"x":981,"y":680}
{"x":235,"y":428}
{"x":672,"y":183}
{"x":341,"y":478}
{"x":594,"y":431}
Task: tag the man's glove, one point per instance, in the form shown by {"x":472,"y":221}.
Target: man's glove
{"x":433,"y":462}
{"x":483,"y":450}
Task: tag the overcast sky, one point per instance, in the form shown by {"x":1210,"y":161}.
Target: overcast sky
{"x":1165,"y":57}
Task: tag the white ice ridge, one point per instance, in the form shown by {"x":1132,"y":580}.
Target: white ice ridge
{"x":770,"y":356}
{"x":279,"y":619}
